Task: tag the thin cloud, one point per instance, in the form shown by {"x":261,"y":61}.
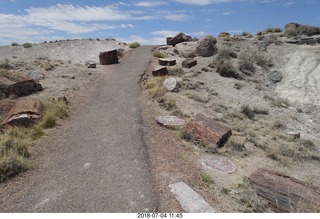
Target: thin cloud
{"x":203,"y":2}
{"x":150,"y":4}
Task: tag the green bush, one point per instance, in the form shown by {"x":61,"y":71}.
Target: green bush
{"x":27,"y":45}
{"x":134,"y":45}
{"x":158,"y":54}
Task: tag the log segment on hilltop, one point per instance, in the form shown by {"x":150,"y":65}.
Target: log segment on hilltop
{"x":285,"y":193}
{"x":109,"y":57}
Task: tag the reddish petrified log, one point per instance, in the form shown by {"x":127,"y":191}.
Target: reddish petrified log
{"x":160,"y":71}
{"x":285,"y":193}
{"x":109,"y":57}
{"x":209,"y":132}
{"x":189,"y":63}
{"x":24,"y":112}
{"x":21,"y":88}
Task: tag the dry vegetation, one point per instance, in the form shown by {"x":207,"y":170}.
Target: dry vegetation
{"x":16,"y":142}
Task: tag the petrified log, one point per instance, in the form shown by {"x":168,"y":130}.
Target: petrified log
{"x":285,"y":193}
{"x":5,"y":106}
{"x":21,"y":88}
{"x":179,"y":38}
{"x":209,"y":132}
{"x":24,"y":112}
{"x":109,"y":57}
{"x":160,"y":71}
{"x":167,"y":62}
{"x":169,"y":40}
{"x":189,"y":63}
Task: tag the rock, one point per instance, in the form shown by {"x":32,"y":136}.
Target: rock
{"x":206,"y":46}
{"x":167,"y":62}
{"x":170,"y":84}
{"x":36,"y":75}
{"x":275,"y":76}
{"x":295,"y":135}
{"x":189,"y":63}
{"x":169,"y":121}
{"x":160,"y":71}
{"x":291,"y":26}
{"x":92,"y":65}
{"x":224,"y":36}
{"x":120,"y":53}
{"x":186,"y":50}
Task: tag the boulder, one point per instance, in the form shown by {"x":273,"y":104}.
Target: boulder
{"x":186,"y":49}
{"x":206,"y":46}
{"x":275,"y":76}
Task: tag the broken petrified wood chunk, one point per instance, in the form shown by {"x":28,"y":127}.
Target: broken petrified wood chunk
{"x":179,"y":38}
{"x":167,"y":62}
{"x":285,"y":193}
{"x":189,"y":63}
{"x":160,"y":71}
{"x":24,"y":112}
{"x":18,"y":87}
{"x":109,"y":57}
{"x":209,"y":132}
{"x":169,"y":121}
{"x":92,"y":65}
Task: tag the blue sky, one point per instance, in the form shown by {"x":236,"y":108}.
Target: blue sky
{"x":148,"y":22}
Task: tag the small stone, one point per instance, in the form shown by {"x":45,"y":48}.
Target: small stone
{"x":275,"y":76}
{"x":36,"y":76}
{"x":92,"y":65}
{"x":295,"y":135}
{"x":169,"y":121}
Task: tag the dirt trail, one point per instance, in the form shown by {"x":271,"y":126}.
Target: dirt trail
{"x":99,"y":162}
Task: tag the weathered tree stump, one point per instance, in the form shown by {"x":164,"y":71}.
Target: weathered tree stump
{"x":209,"y":132}
{"x":189,"y":63}
{"x":160,"y":71}
{"x":24,"y":112}
{"x":167,"y":62}
{"x":285,"y":193}
{"x":21,"y":88}
{"x":109,"y":57}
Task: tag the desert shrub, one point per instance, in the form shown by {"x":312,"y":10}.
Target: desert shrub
{"x":248,"y":199}
{"x":14,"y":152}
{"x":6,"y":65}
{"x":226,"y":69}
{"x":199,"y":97}
{"x":226,"y":53}
{"x":158,"y":54}
{"x":273,"y":30}
{"x":53,"y":111}
{"x":248,"y":111}
{"x":134,"y":45}
{"x":167,"y":103}
{"x":248,"y":58}
{"x":27,"y":45}
{"x":14,"y":44}
{"x":207,"y":179}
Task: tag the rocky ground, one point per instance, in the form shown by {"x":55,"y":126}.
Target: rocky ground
{"x":263,"y":103}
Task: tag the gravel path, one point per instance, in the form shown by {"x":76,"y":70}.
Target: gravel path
{"x":100,"y":162}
